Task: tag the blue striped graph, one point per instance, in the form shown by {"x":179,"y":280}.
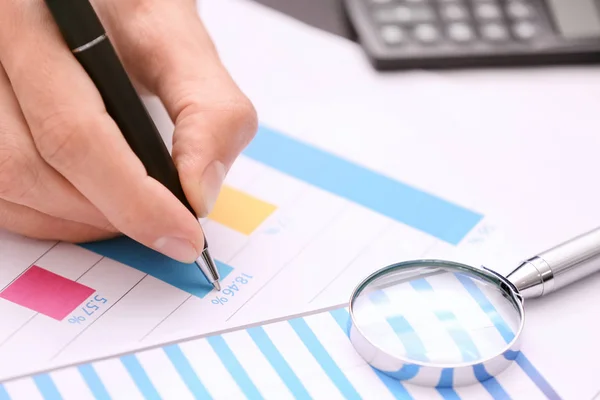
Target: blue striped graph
{"x":320,"y":349}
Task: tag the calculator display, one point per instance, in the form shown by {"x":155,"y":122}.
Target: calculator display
{"x":576,"y":18}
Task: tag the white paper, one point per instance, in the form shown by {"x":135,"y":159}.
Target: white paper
{"x":518,"y":149}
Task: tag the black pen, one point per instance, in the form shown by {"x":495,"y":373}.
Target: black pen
{"x":86,"y":37}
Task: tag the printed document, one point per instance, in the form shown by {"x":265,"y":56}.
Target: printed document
{"x":350,"y":171}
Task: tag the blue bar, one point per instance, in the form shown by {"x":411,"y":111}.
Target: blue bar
{"x":413,"y":344}
{"x":414,"y":347}
{"x":490,"y":383}
{"x":3,"y":393}
{"x":186,"y":371}
{"x":279,"y":364}
{"x":93,"y":381}
{"x":186,"y":277}
{"x":403,"y":203}
{"x":488,"y":308}
{"x":46,"y":386}
{"x":448,"y":393}
{"x":236,"y":370}
{"x":537,"y":377}
{"x":466,"y":345}
{"x":396,"y":388}
{"x":445,"y":384}
{"x":320,"y":354}
{"x":508,"y":335}
{"x":139,"y":376}
{"x":342,"y":317}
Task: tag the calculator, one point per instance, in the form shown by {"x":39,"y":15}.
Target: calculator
{"x":399,"y":34}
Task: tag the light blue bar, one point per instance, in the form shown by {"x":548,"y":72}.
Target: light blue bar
{"x":445,"y":390}
{"x":186,"y":371}
{"x":279,"y":364}
{"x":139,"y":376}
{"x":3,"y":393}
{"x":487,"y":307}
{"x":414,"y":347}
{"x":186,"y":277}
{"x":93,"y":381}
{"x":236,"y":370}
{"x":490,"y":383}
{"x":507,"y":334}
{"x":320,"y":354}
{"x":46,"y":386}
{"x":401,"y":202}
{"x":413,"y":344}
{"x":466,"y":345}
{"x":342,"y":317}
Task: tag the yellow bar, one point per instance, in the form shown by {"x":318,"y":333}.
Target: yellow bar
{"x":240,"y":211}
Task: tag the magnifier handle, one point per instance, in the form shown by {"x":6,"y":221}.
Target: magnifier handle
{"x":559,"y":266}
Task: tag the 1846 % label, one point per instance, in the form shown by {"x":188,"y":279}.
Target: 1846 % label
{"x":87,"y":310}
{"x":232,"y":289}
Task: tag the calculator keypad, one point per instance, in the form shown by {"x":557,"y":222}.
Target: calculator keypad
{"x":460,"y":22}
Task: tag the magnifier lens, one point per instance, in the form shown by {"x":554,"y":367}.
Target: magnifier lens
{"x":436,"y":314}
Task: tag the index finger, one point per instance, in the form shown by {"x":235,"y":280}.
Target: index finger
{"x":75,"y":135}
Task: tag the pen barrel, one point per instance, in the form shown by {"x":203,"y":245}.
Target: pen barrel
{"x":568,"y":262}
{"x":126,"y":108}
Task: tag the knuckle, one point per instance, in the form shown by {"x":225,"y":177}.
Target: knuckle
{"x":17,"y":177}
{"x":247,"y":117}
{"x":235,"y":115}
{"x":60,"y":138}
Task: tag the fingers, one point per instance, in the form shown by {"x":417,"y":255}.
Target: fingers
{"x":26,"y":179}
{"x":34,"y":224}
{"x":74,"y":134}
{"x":166,"y":46}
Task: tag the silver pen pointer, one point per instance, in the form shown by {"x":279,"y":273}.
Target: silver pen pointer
{"x":208,"y":267}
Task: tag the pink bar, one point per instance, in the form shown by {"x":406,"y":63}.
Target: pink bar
{"x":46,"y":292}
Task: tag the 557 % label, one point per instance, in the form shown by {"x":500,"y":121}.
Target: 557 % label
{"x":87,"y":310}
{"x":232,"y":289}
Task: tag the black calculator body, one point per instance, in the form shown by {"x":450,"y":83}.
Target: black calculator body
{"x":400,"y":34}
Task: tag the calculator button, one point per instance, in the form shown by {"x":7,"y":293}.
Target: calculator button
{"x":524,"y":30}
{"x":494,"y":32}
{"x":517,"y":10}
{"x":423,"y":14}
{"x":403,"y":14}
{"x":460,"y":32}
{"x":454,"y":12}
{"x":426,"y":33}
{"x":392,"y":34}
{"x":487,"y":11}
{"x":391,"y":15}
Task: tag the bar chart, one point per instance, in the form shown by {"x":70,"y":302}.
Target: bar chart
{"x":288,"y":210}
{"x":304,"y":357}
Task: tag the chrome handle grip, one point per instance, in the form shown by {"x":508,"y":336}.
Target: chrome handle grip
{"x":559,"y":266}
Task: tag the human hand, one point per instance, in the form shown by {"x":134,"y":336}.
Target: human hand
{"x":67,"y":173}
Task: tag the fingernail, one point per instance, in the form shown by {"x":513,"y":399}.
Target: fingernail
{"x":212,"y":179}
{"x":179,"y":249}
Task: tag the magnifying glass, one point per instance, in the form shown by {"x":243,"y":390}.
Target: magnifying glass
{"x":441,"y":323}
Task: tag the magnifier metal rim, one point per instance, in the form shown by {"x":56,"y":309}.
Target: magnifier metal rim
{"x":489,"y":275}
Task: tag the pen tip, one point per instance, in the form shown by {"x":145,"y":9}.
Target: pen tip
{"x":217,"y":285}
